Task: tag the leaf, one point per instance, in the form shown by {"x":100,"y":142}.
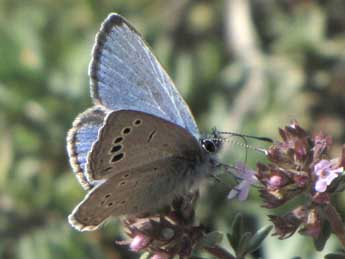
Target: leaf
{"x":257,"y":238}
{"x":335,"y":256}
{"x":336,"y":222}
{"x":290,"y":205}
{"x":145,"y":255}
{"x":325,"y":233}
{"x":241,"y":249}
{"x":219,"y":252}
{"x":211,"y":239}
{"x":237,"y":228}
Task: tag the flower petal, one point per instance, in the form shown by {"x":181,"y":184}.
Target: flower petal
{"x":331,"y":177}
{"x":139,"y":242}
{"x":320,"y":185}
{"x":243,"y":195}
{"x":321,"y":166}
{"x":339,"y":170}
{"x":233,"y":193}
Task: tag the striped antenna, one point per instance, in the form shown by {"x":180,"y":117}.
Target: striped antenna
{"x":265,"y":139}
{"x":245,"y":145}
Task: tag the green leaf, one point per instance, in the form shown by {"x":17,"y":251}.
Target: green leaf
{"x":257,"y":238}
{"x":145,"y":255}
{"x":237,"y":228}
{"x":321,"y":240}
{"x":290,"y":205}
{"x":211,"y":239}
{"x":243,"y":244}
{"x":339,"y":255}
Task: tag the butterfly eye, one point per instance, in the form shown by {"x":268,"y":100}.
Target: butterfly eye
{"x":208,"y":145}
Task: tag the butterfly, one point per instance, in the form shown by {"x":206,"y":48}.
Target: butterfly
{"x":139,"y":147}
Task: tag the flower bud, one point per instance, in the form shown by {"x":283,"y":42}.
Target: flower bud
{"x":139,"y":242}
{"x":276,"y":181}
{"x":312,"y":226}
{"x":321,"y":198}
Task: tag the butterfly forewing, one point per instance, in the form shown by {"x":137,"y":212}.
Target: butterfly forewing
{"x":126,"y":75}
{"x":132,"y":139}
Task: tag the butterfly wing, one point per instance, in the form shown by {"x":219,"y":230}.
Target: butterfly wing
{"x":126,"y":75}
{"x":132,"y":139}
{"x":132,"y":192}
{"x":80,"y":139}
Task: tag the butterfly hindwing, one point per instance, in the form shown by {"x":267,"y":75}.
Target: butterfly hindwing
{"x":80,"y":139}
{"x":126,"y":75}
{"x":134,"y":191}
{"x":132,"y":139}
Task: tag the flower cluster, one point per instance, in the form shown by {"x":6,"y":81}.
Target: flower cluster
{"x":168,"y":234}
{"x":301,"y":173}
{"x":299,"y":181}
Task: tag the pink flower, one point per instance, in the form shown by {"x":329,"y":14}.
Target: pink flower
{"x":276,"y":181}
{"x":248,"y":178}
{"x":139,"y":242}
{"x":325,"y":174}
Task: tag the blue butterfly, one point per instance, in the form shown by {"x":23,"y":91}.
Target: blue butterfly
{"x":138,"y":147}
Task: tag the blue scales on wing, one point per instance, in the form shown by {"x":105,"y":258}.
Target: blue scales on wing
{"x":80,"y":140}
{"x":125,"y":75}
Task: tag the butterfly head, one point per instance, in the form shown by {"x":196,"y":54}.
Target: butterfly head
{"x":211,"y":143}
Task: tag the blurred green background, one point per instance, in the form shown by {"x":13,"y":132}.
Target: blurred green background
{"x":244,"y":66}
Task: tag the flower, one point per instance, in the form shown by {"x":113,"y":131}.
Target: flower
{"x":139,"y":242}
{"x":322,"y":143}
{"x":168,"y":234}
{"x":298,"y":169}
{"x":312,"y":224}
{"x":273,"y":177}
{"x":294,"y":148}
{"x":286,"y":225}
{"x":276,"y":180}
{"x":248,"y":178}
{"x":325,"y":174}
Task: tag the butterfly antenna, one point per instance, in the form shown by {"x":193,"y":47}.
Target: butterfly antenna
{"x":265,"y":139}
{"x":245,"y":145}
{"x":217,"y":134}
